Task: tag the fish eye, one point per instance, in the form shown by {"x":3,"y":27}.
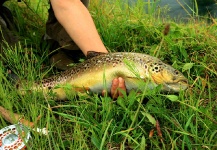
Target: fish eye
{"x":176,"y":72}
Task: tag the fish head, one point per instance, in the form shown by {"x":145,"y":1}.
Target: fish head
{"x":171,"y":79}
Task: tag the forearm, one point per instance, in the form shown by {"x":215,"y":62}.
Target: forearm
{"x":78,"y":23}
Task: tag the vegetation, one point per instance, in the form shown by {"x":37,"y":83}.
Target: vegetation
{"x":149,"y":120}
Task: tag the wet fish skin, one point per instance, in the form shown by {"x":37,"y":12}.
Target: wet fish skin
{"x":97,"y":73}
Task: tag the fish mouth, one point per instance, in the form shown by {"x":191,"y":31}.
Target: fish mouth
{"x":183,"y":81}
{"x":181,"y":84}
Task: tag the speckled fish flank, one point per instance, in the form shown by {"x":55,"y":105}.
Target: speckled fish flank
{"x":97,"y":73}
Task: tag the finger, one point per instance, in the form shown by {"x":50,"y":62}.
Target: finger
{"x":103,"y":93}
{"x":121,"y":85}
{"x":115,"y":85}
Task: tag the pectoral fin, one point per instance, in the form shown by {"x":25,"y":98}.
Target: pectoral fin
{"x":81,"y":89}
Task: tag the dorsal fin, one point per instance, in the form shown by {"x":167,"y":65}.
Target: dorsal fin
{"x":91,"y":54}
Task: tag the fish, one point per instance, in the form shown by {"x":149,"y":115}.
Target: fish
{"x":139,"y":71}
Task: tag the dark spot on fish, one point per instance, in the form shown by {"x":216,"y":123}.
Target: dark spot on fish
{"x":156,"y":68}
{"x":174,"y":78}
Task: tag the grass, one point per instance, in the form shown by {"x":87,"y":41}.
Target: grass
{"x":187,"y":120}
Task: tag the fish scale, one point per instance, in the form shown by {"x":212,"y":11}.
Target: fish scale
{"x":97,"y":73}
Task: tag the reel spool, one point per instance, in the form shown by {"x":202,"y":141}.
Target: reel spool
{"x":14,"y":137}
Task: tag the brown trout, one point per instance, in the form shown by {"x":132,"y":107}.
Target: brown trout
{"x":96,"y":74}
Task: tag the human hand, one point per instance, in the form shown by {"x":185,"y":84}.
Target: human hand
{"x":118,"y":85}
